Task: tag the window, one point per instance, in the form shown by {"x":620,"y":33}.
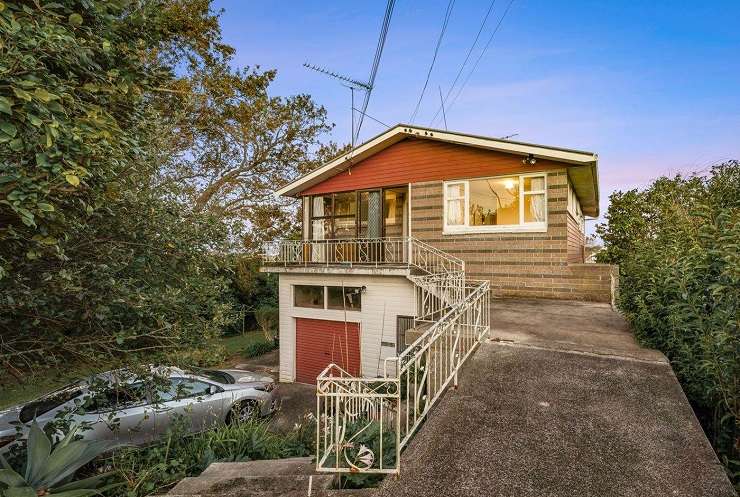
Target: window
{"x":334,"y":216}
{"x":308,"y":296}
{"x":47,"y":403}
{"x":505,"y":203}
{"x":119,"y":396}
{"x":455,"y":203}
{"x":574,"y":207}
{"x":184,"y":388}
{"x":352,"y":298}
{"x":394,"y":208}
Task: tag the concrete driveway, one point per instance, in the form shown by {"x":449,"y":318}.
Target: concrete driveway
{"x":561,"y":402}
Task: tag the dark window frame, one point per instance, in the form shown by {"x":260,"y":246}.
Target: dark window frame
{"x":323,"y":295}
{"x":344,"y":290}
{"x":356,"y":215}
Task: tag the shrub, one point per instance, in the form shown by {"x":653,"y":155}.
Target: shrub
{"x":155,"y":468}
{"x":50,"y":468}
{"x":256,"y":349}
{"x":677,"y":246}
{"x":267,"y":317}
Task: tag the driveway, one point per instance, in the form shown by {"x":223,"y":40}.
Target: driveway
{"x":561,"y":402}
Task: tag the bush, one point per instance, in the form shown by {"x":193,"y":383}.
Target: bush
{"x":268,"y":317}
{"x":677,"y":244}
{"x":256,"y":349}
{"x":154,"y":469}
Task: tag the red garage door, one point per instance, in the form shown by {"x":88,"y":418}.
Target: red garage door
{"x":319,"y":342}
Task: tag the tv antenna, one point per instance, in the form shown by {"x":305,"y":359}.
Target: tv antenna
{"x":347,"y":82}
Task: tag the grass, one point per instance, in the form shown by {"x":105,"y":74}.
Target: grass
{"x":236,"y":344}
{"x":12,"y":392}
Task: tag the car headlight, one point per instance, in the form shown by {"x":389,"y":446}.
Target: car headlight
{"x":267,"y":387}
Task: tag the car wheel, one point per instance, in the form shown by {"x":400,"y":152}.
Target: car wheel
{"x":246,"y":410}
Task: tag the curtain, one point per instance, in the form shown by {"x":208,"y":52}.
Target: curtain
{"x":537,"y":207}
{"x":454,"y":212}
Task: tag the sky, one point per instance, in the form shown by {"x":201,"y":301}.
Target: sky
{"x":653,"y":87}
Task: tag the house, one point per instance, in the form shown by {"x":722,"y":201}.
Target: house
{"x":449,"y":206}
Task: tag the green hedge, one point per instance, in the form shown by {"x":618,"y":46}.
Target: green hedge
{"x":677,"y":243}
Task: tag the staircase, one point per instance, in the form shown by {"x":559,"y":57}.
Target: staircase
{"x":293,"y":477}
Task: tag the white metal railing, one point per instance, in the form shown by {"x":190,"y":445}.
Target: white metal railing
{"x":363,"y":424}
{"x":350,"y":251}
{"x":404,"y":251}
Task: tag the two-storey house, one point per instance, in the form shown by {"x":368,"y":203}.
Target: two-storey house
{"x":416,"y":201}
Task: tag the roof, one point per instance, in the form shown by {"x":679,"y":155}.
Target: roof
{"x":582,"y":166}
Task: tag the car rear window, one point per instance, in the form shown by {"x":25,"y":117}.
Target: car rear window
{"x":47,"y":403}
{"x":213,"y":375}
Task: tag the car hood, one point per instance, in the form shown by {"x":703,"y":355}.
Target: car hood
{"x":241,"y":376}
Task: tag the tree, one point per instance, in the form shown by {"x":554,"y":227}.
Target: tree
{"x":236,"y":143}
{"x":96,"y":258}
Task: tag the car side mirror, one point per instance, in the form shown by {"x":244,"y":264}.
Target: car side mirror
{"x":213,"y":389}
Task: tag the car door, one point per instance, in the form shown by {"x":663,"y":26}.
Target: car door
{"x":121,"y":413}
{"x":199,"y":402}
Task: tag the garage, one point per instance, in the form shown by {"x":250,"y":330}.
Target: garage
{"x":320,"y":342}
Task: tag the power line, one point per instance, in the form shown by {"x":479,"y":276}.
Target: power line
{"x":481,"y":55}
{"x":448,"y":13}
{"x":442,"y":103}
{"x":376,"y":63}
{"x":371,"y":117}
{"x":467,"y":57}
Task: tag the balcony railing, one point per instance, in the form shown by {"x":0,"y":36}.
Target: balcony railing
{"x":362,"y":251}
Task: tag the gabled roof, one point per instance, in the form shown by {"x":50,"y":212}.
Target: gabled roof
{"x":582,"y":166}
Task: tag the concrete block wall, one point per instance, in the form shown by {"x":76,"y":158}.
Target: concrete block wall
{"x":531,"y":265}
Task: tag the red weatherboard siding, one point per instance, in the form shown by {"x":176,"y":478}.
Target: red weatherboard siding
{"x":416,"y":160}
{"x":319,"y":343}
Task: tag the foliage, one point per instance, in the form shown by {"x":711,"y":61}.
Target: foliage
{"x":256,"y":349}
{"x":677,"y":244}
{"x":155,"y":468}
{"x":96,"y":258}
{"x":235,"y":143}
{"x":268,"y":317}
{"x":50,"y":470}
{"x":365,"y":433}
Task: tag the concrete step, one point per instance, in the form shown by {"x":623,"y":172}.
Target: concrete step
{"x":273,"y":467}
{"x":252,"y":486}
{"x":361,"y":492}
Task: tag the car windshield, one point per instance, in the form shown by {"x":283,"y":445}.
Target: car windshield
{"x":213,"y":375}
{"x":48,"y":402}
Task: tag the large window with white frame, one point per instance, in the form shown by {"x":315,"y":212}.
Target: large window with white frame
{"x":496,"y":204}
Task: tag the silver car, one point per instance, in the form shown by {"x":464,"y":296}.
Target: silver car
{"x":120,"y":407}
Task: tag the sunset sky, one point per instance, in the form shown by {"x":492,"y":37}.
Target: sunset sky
{"x":653,"y":87}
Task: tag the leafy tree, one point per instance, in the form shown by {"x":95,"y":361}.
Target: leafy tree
{"x":96,"y":258}
{"x":676,"y":243}
{"x":235,"y":143}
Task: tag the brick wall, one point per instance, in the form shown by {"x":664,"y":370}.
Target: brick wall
{"x":517,"y":264}
{"x":576,"y":241}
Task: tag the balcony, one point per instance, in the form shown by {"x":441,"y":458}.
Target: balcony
{"x":375,"y":252}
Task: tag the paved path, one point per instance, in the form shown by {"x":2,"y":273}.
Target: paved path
{"x":561,"y":402}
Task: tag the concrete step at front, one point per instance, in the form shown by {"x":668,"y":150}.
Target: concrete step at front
{"x":361,"y":492}
{"x":248,"y":486}
{"x":254,"y":493}
{"x":272,"y":467}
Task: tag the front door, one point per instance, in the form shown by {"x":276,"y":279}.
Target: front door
{"x":320,"y":342}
